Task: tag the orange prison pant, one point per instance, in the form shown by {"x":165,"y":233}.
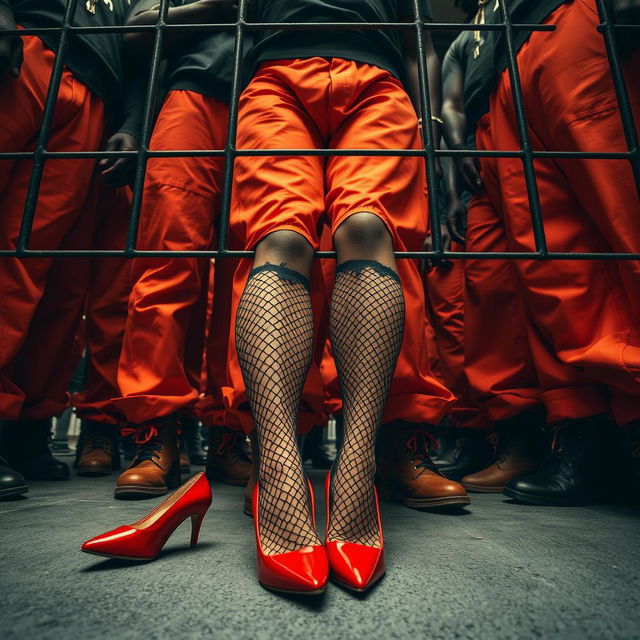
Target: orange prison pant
{"x":512,"y":367}
{"x":589,"y":311}
{"x":61,"y":221}
{"x":161,"y":361}
{"x":318,"y":103}
{"x":444,"y":290}
{"x":106,"y":310}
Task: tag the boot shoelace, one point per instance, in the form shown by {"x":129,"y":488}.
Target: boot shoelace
{"x":502,"y":447}
{"x":98,"y":442}
{"x":233,"y":443}
{"x":418,"y":445}
{"x":149,"y":445}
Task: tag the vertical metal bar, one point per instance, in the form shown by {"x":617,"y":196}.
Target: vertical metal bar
{"x":523,"y":131}
{"x":33,"y":190}
{"x":622,"y":94}
{"x":427,"y":132}
{"x":232,"y":129}
{"x":147,"y":129}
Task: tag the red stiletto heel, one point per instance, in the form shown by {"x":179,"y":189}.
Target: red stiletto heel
{"x":144,"y":539}
{"x":355,"y":566}
{"x":301,"y":572}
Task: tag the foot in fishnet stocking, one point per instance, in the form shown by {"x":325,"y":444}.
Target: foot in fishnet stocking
{"x":366,"y":328}
{"x":274,"y":334}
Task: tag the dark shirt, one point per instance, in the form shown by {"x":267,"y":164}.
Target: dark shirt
{"x":204,"y":63}
{"x":479,"y":71}
{"x":95,"y":59}
{"x":482,"y":72}
{"x":381,"y":48}
{"x":523,"y":12}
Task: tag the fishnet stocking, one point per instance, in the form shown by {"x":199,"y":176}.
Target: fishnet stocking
{"x":366,"y":328}
{"x":274,"y":334}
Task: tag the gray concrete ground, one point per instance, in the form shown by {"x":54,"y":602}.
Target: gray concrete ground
{"x":500,"y":570}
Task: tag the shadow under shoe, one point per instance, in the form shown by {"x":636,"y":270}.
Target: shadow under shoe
{"x":520,"y":449}
{"x":155,"y":467}
{"x":25,"y":445}
{"x":98,"y":451}
{"x":228,"y":459}
{"x":575,"y":473}
{"x":407,"y":474}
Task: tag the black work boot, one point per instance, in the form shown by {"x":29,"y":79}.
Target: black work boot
{"x":631,"y":462}
{"x":192,"y":438}
{"x":575,"y":472}
{"x":11,"y":482}
{"x":25,"y":445}
{"x":313,"y":449}
{"x":463,"y":451}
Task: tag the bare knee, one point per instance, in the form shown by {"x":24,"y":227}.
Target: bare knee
{"x":286,"y":248}
{"x":364,"y":235}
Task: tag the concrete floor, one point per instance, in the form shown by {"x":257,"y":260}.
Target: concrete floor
{"x":499,"y":570}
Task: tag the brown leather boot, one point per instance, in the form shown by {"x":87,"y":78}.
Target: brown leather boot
{"x":406,"y":472}
{"x":520,"y":448}
{"x":98,"y":452}
{"x":155,"y":468}
{"x":228,"y":460}
{"x":253,"y":477}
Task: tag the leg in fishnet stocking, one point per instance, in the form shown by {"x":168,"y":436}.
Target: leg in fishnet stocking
{"x":274,"y":334}
{"x":366,"y":328}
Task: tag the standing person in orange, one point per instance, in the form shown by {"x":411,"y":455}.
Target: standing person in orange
{"x":344,"y":90}
{"x":41,"y":299}
{"x":159,"y":371}
{"x":586,"y":310}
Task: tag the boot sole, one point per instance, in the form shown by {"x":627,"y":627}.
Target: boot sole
{"x":13,"y":491}
{"x":435,"y":503}
{"x":545,"y":501}
{"x":94,"y":473}
{"x":124,"y":493}
{"x":477,"y":488}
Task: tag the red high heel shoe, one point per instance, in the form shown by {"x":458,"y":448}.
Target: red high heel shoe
{"x":144,"y":539}
{"x":301,"y":572}
{"x":355,"y":566}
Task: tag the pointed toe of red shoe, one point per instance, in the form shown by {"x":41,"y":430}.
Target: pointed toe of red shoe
{"x":355,"y":566}
{"x":305,"y":571}
{"x":114,"y":544}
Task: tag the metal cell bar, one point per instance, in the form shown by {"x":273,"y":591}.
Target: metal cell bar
{"x":282,"y":26}
{"x":33,"y":190}
{"x":232,"y":129}
{"x":147,"y":129}
{"x":454,"y":255}
{"x":427,"y":130}
{"x":523,"y":132}
{"x":622,"y":94}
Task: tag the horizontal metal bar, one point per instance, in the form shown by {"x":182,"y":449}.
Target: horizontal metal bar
{"x":214,"y":153}
{"x":453,"y":255}
{"x":280,"y":26}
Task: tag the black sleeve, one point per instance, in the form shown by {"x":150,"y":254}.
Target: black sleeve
{"x":135,"y":85}
{"x":6,"y":3}
{"x":455,"y":54}
{"x":405,"y":9}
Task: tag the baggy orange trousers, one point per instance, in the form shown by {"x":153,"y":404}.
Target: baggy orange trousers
{"x":161,"y":360}
{"x":319,"y":103}
{"x":446,"y":313}
{"x":509,"y":365}
{"x":106,"y":310}
{"x":61,"y":221}
{"x":589,"y":311}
